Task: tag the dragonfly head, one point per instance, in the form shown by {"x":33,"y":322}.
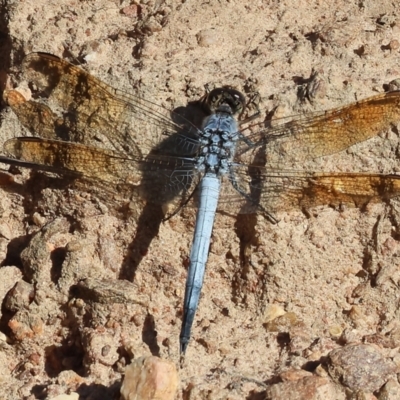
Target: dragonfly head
{"x":225,"y":99}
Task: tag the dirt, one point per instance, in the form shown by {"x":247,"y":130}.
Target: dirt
{"x":335,"y":272}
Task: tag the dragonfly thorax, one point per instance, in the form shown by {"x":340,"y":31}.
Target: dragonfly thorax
{"x":218,"y":140}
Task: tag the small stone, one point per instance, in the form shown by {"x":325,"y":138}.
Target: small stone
{"x":206,"y":37}
{"x":360,"y":367}
{"x":394,"y":44}
{"x":310,"y":387}
{"x":5,"y":231}
{"x":131,"y":11}
{"x":150,"y":378}
{"x":70,"y":379}
{"x":4,"y":338}
{"x":394,"y":85}
{"x":38,"y":219}
{"x":273,"y":311}
{"x":9,"y":276}
{"x":320,"y":371}
{"x":91,"y":57}
{"x":100,"y":346}
{"x":26,"y":324}
{"x":152,"y":26}
{"x":283,"y":323}
{"x":390,"y":391}
{"x":350,"y":335}
{"x":19,"y":297}
{"x":300,"y":340}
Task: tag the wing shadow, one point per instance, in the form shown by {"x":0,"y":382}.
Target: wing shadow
{"x":152,"y":214}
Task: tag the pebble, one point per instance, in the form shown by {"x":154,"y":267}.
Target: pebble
{"x":309,"y":387}
{"x":360,"y":367}
{"x":150,"y":378}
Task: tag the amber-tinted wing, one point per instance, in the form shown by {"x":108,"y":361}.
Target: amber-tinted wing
{"x":268,"y":190}
{"x":88,"y":111}
{"x":158,"y":179}
{"x":155,"y":155}
{"x":83,"y":160}
{"x":322,"y":133}
{"x":91,"y":130}
{"x":264,"y":180}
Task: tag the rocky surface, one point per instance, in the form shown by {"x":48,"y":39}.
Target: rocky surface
{"x":279,"y":301}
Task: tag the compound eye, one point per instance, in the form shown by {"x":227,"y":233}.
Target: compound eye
{"x":228,"y":96}
{"x":237,"y":108}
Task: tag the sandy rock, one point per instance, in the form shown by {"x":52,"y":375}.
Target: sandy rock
{"x":101,"y":347}
{"x":20,"y":296}
{"x":315,"y":265}
{"x":9,"y":276}
{"x":310,"y":388}
{"x":70,"y":379}
{"x":360,"y":367}
{"x":36,"y":258}
{"x":390,"y":391}
{"x":26,"y":324}
{"x":150,"y":379}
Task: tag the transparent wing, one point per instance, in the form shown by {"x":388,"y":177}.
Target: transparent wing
{"x":253,"y":189}
{"x":88,"y":111}
{"x":247,"y":189}
{"x":159,"y":164}
{"x":156,"y":179}
{"x":321,"y":133}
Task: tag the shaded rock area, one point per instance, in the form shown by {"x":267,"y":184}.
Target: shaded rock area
{"x":91,"y":293}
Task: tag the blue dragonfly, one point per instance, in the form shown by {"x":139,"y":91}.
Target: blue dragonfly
{"x":96,"y":133}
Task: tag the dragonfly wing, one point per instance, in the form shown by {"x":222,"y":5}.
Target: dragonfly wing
{"x":90,"y":112}
{"x":321,"y":133}
{"x":285,"y":190}
{"x":250,"y":189}
{"x":64,"y":157}
{"x":157,"y":179}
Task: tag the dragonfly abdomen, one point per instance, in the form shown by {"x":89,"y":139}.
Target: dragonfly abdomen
{"x":208,"y":201}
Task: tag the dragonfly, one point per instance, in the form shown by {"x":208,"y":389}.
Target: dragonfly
{"x":86,"y":128}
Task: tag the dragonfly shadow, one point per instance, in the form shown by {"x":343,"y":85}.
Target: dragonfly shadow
{"x":149,"y":335}
{"x":156,"y":185}
{"x":6,"y":47}
{"x":245,"y":230}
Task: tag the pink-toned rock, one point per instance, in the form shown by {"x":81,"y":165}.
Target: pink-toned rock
{"x":360,"y":367}
{"x":131,"y":11}
{"x":150,"y":378}
{"x":310,"y":388}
